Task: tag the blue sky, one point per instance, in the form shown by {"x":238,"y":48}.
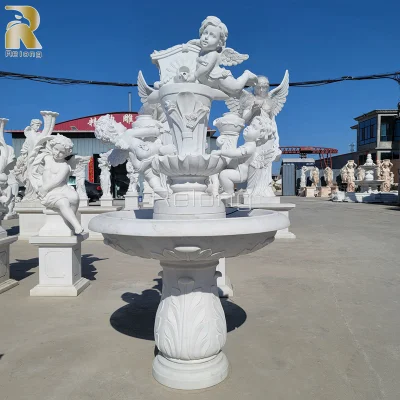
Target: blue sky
{"x":111,"y":41}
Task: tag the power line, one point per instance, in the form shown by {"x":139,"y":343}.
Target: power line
{"x":68,"y":81}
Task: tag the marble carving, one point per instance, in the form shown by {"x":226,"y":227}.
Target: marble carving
{"x":328,"y":175}
{"x":188,"y":229}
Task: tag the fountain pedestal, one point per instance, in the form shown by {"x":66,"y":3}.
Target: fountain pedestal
{"x":190,"y":327}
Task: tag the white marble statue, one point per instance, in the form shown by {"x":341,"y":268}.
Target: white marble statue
{"x":140,"y":144}
{"x":241,"y":157}
{"x":303,"y":177}
{"x":49,"y":172}
{"x":7,"y":162}
{"x":105,"y":175}
{"x":360,"y":173}
{"x":214,"y":53}
{"x":79,"y":165}
{"x":267,"y":104}
{"x":133,"y":177}
{"x":314,"y":176}
{"x":328,"y":175}
{"x":33,"y":136}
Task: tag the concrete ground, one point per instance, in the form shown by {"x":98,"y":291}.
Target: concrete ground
{"x":314,"y":318}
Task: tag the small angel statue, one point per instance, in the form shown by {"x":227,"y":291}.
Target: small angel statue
{"x":140,"y":145}
{"x":48,"y":172}
{"x":360,"y":173}
{"x":241,"y":157}
{"x":213,"y":53}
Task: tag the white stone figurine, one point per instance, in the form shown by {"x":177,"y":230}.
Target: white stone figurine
{"x":48,"y":173}
{"x":348,"y":175}
{"x":241,"y":157}
{"x":78,"y":165}
{"x":33,"y":136}
{"x":328,"y":175}
{"x":105,"y":175}
{"x":267,"y":105}
{"x":314,"y":176}
{"x":140,"y":144}
{"x":133,"y":177}
{"x":360,"y":173}
{"x":303,"y":177}
{"x":214,"y":53}
{"x":384,"y":171}
{"x":7,"y":161}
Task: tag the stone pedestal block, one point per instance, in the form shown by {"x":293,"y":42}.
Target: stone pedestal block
{"x":310,"y":192}
{"x":325,"y":191}
{"x":131,"y":201}
{"x":5,"y":282}
{"x":59,"y":259}
{"x":106,"y":202}
{"x":31,"y":218}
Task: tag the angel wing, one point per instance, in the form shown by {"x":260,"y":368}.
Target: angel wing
{"x":239,"y":104}
{"x":7,"y":155}
{"x":144,"y":89}
{"x":278,"y":95}
{"x":229,"y":57}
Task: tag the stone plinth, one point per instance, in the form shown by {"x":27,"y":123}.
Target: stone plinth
{"x":83,"y":203}
{"x":59,"y":259}
{"x":31,"y":218}
{"x":5,"y":282}
{"x":87,"y":213}
{"x":310,"y":191}
{"x":250,"y":200}
{"x":131,"y":201}
{"x":325,"y":191}
{"x":108,"y":202}
{"x":225,"y":288}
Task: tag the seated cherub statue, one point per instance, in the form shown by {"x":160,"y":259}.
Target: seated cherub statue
{"x":49,"y":174}
{"x":213,"y":53}
{"x":242,"y":156}
{"x":140,"y":145}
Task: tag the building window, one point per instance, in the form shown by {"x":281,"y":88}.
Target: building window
{"x":367,"y":132}
{"x":397,"y":131}
{"x":387,"y":125}
{"x":386,"y":156}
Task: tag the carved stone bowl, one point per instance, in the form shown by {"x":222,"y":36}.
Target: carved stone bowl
{"x":137,"y":234}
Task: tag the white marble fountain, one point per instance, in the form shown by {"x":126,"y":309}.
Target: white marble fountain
{"x":189,"y":229}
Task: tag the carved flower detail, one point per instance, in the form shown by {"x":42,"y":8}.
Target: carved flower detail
{"x":188,"y":253}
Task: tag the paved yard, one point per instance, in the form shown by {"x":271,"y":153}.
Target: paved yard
{"x":314,"y":318}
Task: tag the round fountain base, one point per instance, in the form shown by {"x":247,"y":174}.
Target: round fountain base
{"x":190,"y":375}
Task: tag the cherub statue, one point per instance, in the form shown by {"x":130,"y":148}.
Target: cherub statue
{"x":328,"y":175}
{"x":140,"y":145}
{"x":241,"y":157}
{"x":213,"y":53}
{"x":360,"y":173}
{"x":105,"y":175}
{"x":314,"y":175}
{"x":33,"y":136}
{"x":48,"y":172}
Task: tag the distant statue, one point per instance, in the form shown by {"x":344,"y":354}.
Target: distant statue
{"x":303,"y":178}
{"x":49,"y":172}
{"x":384,"y":170}
{"x":328,"y":175}
{"x":133,"y":177}
{"x":348,"y":175}
{"x":105,"y":175}
{"x":360,"y":173}
{"x":314,"y":175}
